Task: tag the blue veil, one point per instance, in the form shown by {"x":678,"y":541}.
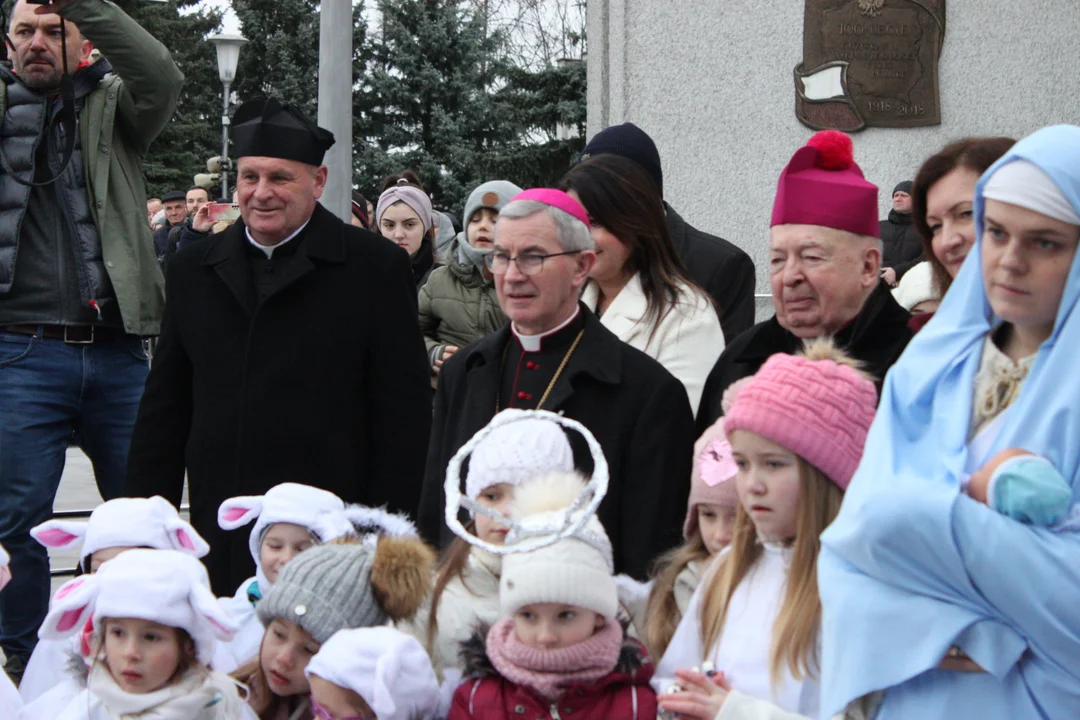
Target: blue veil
{"x":912,"y":566}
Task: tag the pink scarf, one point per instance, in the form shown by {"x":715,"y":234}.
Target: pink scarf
{"x":549,"y":671}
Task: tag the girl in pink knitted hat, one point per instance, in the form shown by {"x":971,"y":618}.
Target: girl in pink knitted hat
{"x":797,"y":430}
{"x":708,"y":529}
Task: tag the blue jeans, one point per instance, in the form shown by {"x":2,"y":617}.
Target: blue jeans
{"x":50,"y":391}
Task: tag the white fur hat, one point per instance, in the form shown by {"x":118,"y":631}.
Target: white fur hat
{"x":162,"y":586}
{"x":917,"y":286}
{"x":124,"y":522}
{"x":519,"y":445}
{"x":386,"y":667}
{"x":320,"y":511}
{"x":573,"y":569}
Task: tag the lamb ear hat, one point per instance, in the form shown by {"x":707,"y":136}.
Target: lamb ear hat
{"x":527,"y":534}
{"x":124,"y":522}
{"x":162,"y":586}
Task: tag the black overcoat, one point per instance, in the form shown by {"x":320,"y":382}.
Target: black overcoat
{"x":721,"y":268}
{"x":324,"y":382}
{"x":876,"y":337}
{"x":637,"y":410}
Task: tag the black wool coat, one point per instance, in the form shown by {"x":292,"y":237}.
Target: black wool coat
{"x":324,"y":382}
{"x":877,"y":336}
{"x":637,"y":410}
{"x":723,"y":270}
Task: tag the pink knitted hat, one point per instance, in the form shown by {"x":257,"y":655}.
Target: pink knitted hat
{"x":817,"y":408}
{"x":556,"y":199}
{"x":713,"y":479}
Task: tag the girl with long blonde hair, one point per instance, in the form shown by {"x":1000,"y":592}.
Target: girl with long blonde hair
{"x":796,"y":430}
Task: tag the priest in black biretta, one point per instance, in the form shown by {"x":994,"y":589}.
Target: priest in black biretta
{"x":290,"y":351}
{"x":269,"y":129}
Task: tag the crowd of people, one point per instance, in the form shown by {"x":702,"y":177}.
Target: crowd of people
{"x":543,"y":464}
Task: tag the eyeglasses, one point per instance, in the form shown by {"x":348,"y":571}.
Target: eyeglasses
{"x":528,"y":264}
{"x":322,"y":713}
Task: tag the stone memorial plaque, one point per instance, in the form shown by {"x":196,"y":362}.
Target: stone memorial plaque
{"x":870,"y":63}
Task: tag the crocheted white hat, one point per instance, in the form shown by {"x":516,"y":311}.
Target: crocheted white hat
{"x":585,"y":505}
{"x":519,"y":446}
{"x":386,"y":667}
{"x":124,"y":522}
{"x":162,"y":586}
{"x":573,"y":569}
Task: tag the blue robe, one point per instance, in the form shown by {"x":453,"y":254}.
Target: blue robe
{"x":912,"y":566}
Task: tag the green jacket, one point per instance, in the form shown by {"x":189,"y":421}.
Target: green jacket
{"x":457,"y":307}
{"x":118,"y":122}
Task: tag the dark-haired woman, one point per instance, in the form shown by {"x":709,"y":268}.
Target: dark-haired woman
{"x":638,"y":287}
{"x":942,"y":200}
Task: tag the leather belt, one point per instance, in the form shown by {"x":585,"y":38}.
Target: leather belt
{"x":71,"y":334}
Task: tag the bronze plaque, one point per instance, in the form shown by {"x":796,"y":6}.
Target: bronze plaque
{"x":870,"y":63}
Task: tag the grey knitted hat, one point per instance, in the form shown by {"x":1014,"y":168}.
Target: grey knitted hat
{"x":325,"y":589}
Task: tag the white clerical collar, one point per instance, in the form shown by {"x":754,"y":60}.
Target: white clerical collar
{"x":269,"y":249}
{"x":531,"y":343}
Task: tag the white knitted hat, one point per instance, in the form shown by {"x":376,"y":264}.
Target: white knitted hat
{"x":519,"y":445}
{"x":917,"y":286}
{"x":321,"y":512}
{"x":386,"y":667}
{"x":162,"y":586}
{"x":124,"y":522}
{"x":558,"y":461}
{"x":575,"y":569}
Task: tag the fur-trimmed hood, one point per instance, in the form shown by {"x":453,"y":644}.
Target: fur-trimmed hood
{"x":633,"y":657}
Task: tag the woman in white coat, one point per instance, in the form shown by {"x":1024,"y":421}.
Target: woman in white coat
{"x":638,"y":286}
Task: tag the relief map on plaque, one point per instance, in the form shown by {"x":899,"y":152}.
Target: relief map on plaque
{"x":870,"y":63}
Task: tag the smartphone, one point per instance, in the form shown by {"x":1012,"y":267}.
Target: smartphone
{"x":218,"y":212}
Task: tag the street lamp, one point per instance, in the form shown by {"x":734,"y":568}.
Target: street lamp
{"x":228,"y":54}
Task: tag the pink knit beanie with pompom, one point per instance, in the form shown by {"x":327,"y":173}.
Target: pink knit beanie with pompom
{"x":816,"y":407}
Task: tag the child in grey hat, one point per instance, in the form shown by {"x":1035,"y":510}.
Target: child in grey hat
{"x":326,"y":589}
{"x":458,"y":304}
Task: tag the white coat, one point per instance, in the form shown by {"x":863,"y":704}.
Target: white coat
{"x":687,"y":341}
{"x":467,"y":602}
{"x":742,"y":652}
{"x":245,"y":644}
{"x":10,"y":702}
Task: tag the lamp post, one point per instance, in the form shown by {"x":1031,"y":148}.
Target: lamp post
{"x":228,"y":54}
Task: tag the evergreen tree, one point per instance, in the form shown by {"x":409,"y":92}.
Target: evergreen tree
{"x":426,"y":101}
{"x":194,"y":134}
{"x":547,"y":110}
{"x":281,"y":58}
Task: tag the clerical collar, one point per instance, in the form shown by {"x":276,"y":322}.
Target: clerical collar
{"x":533,"y":343}
{"x":269,"y":249}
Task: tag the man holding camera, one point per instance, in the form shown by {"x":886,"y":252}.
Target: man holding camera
{"x":79,"y":281}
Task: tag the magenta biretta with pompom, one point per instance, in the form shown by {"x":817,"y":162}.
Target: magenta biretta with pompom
{"x":822,"y":185}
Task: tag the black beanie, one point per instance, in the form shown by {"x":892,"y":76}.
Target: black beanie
{"x":903,"y":187}
{"x":631,"y":142}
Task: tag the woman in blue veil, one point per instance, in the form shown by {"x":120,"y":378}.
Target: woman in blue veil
{"x":951,"y":608}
